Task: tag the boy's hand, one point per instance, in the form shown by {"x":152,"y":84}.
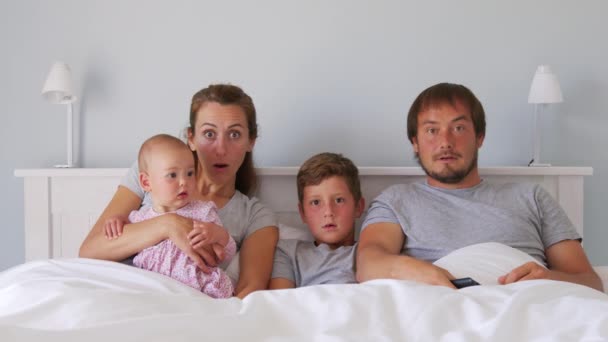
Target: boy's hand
{"x":113,"y":227}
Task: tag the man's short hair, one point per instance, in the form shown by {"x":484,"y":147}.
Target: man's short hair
{"x":446,"y":93}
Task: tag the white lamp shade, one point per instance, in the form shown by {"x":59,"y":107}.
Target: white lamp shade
{"x":58,"y":86}
{"x":545,"y":87}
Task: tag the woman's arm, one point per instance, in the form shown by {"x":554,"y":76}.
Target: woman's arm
{"x":256,"y":256}
{"x":136,"y":236}
{"x":281,"y":283}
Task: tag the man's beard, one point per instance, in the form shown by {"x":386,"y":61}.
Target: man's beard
{"x":449,"y":176}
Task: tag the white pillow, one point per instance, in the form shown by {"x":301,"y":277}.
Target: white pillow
{"x":484,"y":262}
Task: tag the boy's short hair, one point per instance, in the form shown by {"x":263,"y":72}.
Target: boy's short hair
{"x":151,"y":143}
{"x":326,"y":165}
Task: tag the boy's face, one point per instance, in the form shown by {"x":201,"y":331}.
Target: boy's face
{"x":170,"y":178}
{"x":329,"y":209}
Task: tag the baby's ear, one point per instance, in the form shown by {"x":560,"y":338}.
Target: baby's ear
{"x":360,"y":207}
{"x":144,"y":181}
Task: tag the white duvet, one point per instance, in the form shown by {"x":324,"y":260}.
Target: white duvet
{"x":92,"y":300}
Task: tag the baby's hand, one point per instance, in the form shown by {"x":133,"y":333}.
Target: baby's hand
{"x":113,"y":227}
{"x":219,"y":251}
{"x":207,"y":233}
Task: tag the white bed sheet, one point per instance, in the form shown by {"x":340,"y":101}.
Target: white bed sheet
{"x":83,"y":299}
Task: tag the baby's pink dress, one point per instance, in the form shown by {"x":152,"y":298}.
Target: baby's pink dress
{"x":165,"y":258}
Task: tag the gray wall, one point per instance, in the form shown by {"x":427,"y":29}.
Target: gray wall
{"x":326,"y":75}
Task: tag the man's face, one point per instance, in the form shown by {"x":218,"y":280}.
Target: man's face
{"x":446,"y":146}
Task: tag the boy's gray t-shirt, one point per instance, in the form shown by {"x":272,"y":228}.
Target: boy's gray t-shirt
{"x":438,"y":221}
{"x":306,"y":264}
{"x":241,"y":216}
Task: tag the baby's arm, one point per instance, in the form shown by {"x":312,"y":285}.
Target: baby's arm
{"x":113,"y":226}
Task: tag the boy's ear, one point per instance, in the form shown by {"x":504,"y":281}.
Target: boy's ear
{"x":144,"y":181}
{"x":360,"y":207}
{"x":301,"y":211}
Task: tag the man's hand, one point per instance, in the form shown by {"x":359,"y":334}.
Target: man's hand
{"x":528,"y":271}
{"x":425,"y":272}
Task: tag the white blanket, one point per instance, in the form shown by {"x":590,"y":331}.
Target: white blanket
{"x":85,"y":300}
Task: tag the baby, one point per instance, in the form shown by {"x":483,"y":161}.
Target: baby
{"x":167,"y":173}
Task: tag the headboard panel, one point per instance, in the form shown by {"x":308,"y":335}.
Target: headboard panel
{"x":61,"y":205}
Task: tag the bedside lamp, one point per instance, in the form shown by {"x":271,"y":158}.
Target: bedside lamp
{"x":58,"y":90}
{"x":544,"y":90}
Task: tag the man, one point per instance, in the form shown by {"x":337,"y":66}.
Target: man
{"x":409,"y":226}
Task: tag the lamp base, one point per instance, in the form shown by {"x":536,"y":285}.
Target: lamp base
{"x":64,"y":166}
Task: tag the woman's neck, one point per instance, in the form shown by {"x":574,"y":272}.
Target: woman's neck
{"x":220,"y":193}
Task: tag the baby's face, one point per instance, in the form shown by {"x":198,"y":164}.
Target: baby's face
{"x":172,"y":179}
{"x":329,"y":209}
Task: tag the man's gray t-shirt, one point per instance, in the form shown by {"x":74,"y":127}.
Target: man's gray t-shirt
{"x":241,"y":216}
{"x":438,"y":221}
{"x":306,"y":264}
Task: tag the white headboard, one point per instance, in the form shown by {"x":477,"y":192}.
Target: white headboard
{"x":61,"y":205}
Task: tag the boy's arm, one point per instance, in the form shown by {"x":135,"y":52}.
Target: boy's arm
{"x":281,"y":283}
{"x":567,"y":262}
{"x":378,"y":257}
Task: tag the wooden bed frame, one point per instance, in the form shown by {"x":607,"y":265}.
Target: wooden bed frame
{"x":61,"y":205}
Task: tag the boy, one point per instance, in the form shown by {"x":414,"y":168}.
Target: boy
{"x":329,"y":201}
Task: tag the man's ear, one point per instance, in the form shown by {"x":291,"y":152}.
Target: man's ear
{"x":480,"y":139}
{"x":360,"y":207}
{"x":415,"y":144}
{"x":144,"y":181}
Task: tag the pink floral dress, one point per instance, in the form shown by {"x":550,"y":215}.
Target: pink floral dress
{"x":165,"y":258}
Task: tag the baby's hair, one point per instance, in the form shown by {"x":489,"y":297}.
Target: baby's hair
{"x":159,"y":140}
{"x":326,"y":165}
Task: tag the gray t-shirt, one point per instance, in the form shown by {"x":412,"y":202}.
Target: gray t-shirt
{"x":438,"y":221}
{"x":306,"y":264}
{"x":241,"y":216}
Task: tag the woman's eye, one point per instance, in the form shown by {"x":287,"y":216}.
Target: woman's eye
{"x":208,"y":134}
{"x":190,"y":173}
{"x":172,"y":175}
{"x":235,"y":134}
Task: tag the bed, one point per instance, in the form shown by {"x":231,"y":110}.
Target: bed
{"x":56,"y":296}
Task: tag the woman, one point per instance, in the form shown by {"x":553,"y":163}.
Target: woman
{"x":221,"y":135}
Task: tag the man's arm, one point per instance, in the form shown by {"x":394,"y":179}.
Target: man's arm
{"x":378,"y":257}
{"x":567,"y":262}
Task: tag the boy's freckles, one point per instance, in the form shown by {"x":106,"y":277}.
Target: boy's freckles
{"x":330,"y":210}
